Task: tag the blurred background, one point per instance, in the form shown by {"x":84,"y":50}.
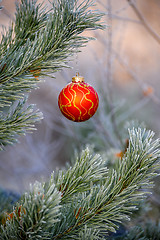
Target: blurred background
{"x":123,"y":64}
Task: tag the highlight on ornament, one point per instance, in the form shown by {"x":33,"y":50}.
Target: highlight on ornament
{"x":78,"y":101}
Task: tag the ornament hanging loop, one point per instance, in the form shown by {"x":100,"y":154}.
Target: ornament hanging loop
{"x":77,"y":67}
{"x":77,"y":78}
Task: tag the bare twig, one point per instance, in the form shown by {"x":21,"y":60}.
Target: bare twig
{"x":133,"y":74}
{"x":109,"y":47}
{"x":102,"y":4}
{"x":130,"y":71}
{"x":114,"y":16}
{"x":7,"y":13}
{"x":110,"y":72}
{"x":105,"y":133}
{"x":122,"y":9}
{"x":139,"y":105}
{"x":144,"y":21}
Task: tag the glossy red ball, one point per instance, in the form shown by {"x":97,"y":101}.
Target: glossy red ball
{"x":78,"y":101}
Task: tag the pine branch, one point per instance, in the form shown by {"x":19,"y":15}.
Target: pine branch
{"x":34,"y":215}
{"x":78,"y":177}
{"x":115,"y":198}
{"x":18,"y":121}
{"x":86,"y":233}
{"x":91,"y":196}
{"x":30,"y":18}
{"x":16,"y":89}
{"x":143,"y":21}
{"x":55,"y":39}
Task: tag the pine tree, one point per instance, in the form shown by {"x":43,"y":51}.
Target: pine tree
{"x":86,"y":200}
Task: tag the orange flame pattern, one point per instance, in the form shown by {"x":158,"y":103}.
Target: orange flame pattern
{"x":78,"y":101}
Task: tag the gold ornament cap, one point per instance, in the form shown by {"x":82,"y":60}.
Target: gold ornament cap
{"x":77,"y":78}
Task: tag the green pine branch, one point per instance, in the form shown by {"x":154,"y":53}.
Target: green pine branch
{"x":93,"y":198}
{"x":16,"y":89}
{"x":17,"y":121}
{"x":30,"y":17}
{"x":86,"y":233}
{"x":39,"y":42}
{"x":38,"y":210}
{"x":120,"y":192}
{"x":55,"y":39}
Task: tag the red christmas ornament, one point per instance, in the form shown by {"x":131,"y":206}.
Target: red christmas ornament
{"x":78,"y":101}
